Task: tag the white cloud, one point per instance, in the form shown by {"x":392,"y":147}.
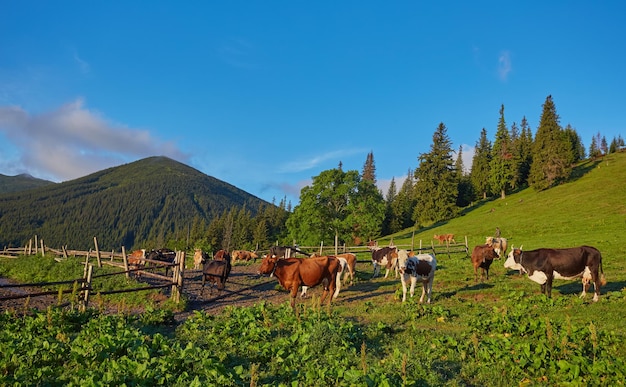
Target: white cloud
{"x":310,"y":163}
{"x":504,"y":65}
{"x":72,"y":142}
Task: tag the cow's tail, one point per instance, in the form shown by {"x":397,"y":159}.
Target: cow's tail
{"x":602,"y":278}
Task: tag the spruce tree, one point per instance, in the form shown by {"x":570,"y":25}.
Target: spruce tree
{"x":403,"y":205}
{"x":575,"y":145}
{"x":435,"y":181}
{"x":464,"y":183}
{"x":479,"y":174}
{"x":551,"y":162}
{"x":501,"y":174}
{"x":369,"y":169}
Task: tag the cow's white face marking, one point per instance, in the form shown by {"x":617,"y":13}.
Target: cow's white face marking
{"x":539,"y":277}
{"x":511,"y":264}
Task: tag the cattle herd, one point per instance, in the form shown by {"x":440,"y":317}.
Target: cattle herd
{"x":541,"y":265}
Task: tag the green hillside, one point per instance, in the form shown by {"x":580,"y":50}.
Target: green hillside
{"x":20,"y":183}
{"x":148,"y":200}
{"x":589,"y":209}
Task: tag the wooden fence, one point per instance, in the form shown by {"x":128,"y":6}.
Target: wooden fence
{"x":84,"y":285}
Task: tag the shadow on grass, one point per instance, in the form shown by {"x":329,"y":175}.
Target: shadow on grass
{"x":575,"y":287}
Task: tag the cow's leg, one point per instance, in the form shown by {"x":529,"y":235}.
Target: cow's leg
{"x":376,"y":269}
{"x":424,"y":292}
{"x":337,"y":285}
{"x":487,"y":273}
{"x":304,"y":289}
{"x":429,"y":289}
{"x":403,"y":280}
{"x":549,"y":285}
{"x":413,"y":282}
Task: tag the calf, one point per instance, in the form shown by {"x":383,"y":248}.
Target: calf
{"x":384,"y":256}
{"x":413,"y":268}
{"x":544,"y":265}
{"x":483,"y":256}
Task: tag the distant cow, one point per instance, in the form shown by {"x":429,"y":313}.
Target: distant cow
{"x":499,"y":244}
{"x":222,"y":255}
{"x":285,"y":251}
{"x":482,"y":257}
{"x":544,"y":265}
{"x":383,"y":257}
{"x":136,"y":259}
{"x":295,"y":272}
{"x":449,"y":238}
{"x":413,"y":268}
{"x":216,"y":271}
{"x":243,"y":255}
{"x":199,"y":257}
{"x":164,"y":255}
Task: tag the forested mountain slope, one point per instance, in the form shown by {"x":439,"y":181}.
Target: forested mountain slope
{"x":150,"y":200}
{"x":20,"y":183}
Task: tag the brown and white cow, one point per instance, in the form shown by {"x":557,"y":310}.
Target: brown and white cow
{"x":136,"y":259}
{"x":499,"y":244}
{"x":385,"y":256}
{"x":482,"y":257}
{"x":417,"y":267}
{"x":544,"y":265}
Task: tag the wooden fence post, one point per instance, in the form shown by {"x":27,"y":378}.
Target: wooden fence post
{"x":95,"y":242}
{"x":43,"y":251}
{"x":36,"y":245}
{"x":321,"y":248}
{"x":86,"y":287}
{"x":125,"y":260}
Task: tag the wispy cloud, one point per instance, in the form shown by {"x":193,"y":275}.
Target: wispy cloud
{"x":504,"y":65}
{"x":314,"y":161}
{"x":237,"y":53}
{"x":73,"y":141}
{"x":84,"y":67}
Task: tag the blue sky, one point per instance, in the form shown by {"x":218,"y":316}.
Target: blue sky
{"x":266,"y":95}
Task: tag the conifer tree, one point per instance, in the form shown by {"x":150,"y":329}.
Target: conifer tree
{"x":392,"y":192}
{"x":369,"y":169}
{"x":523,"y":150}
{"x":466,"y":193}
{"x":501,"y":165}
{"x":435,"y":181}
{"x":403,"y":205}
{"x":576,"y":148}
{"x":594,"y":149}
{"x":551,"y":161}
{"x":479,"y":175}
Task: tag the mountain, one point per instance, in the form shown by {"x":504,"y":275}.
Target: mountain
{"x":20,"y":183}
{"x":148,"y":200}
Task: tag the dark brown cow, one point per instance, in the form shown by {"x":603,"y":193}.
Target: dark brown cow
{"x":216,"y":271}
{"x":164,"y":255}
{"x":295,"y":272}
{"x":483,"y":256}
{"x":383,"y":257}
{"x":544,"y":265}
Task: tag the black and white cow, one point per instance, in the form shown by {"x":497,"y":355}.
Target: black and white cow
{"x":544,"y":265}
{"x":417,"y":267}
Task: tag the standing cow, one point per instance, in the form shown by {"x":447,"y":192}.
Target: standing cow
{"x":482,"y":257}
{"x":385,"y":256}
{"x":413,"y":268}
{"x":544,"y":265}
{"x":216,"y":271}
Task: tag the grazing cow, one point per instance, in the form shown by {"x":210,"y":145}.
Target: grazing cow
{"x":440,"y":238}
{"x":483,"y":256}
{"x":413,"y":268}
{"x":136,"y":259}
{"x":544,"y":265}
{"x":164,"y":255}
{"x":383,"y":257}
{"x":199,"y":257}
{"x":499,"y":244}
{"x":243,"y":255}
{"x":286,"y":251}
{"x":295,"y":272}
{"x":216,"y":271}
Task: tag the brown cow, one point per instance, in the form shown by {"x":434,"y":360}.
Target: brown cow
{"x":243,"y":255}
{"x":351,"y":265}
{"x":483,"y":256}
{"x":295,"y":272}
{"x":449,"y":238}
{"x":136,"y":259}
{"x":199,"y":257}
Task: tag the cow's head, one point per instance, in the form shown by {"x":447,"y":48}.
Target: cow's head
{"x":514,"y":260}
{"x":268,"y":265}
